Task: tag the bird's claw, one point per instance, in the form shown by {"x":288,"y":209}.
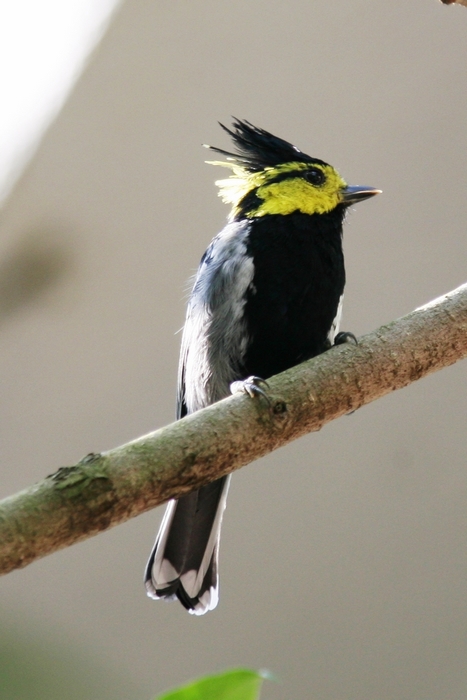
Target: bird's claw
{"x":250,"y":386}
{"x":345,"y":337}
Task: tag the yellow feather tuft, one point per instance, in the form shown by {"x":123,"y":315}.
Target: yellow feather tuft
{"x":234,"y":188}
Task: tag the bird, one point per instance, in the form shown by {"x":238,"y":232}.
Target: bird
{"x":267,"y":295}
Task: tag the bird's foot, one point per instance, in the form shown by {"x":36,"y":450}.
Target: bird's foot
{"x":345,"y":337}
{"x":250,"y":386}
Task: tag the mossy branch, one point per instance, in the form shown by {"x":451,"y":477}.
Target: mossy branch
{"x":109,"y":488}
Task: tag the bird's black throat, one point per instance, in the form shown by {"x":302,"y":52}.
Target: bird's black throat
{"x":299,"y":278}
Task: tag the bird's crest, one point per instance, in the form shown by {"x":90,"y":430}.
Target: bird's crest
{"x":258,"y":157}
{"x":257,"y":149}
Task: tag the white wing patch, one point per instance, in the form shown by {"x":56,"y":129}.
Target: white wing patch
{"x":334,"y":330}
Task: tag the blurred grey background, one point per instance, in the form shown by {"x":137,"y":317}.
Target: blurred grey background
{"x":343,"y":560}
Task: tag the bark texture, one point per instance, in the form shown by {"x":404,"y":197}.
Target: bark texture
{"x":106,"y":489}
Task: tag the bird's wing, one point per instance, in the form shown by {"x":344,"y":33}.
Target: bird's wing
{"x":215,"y":334}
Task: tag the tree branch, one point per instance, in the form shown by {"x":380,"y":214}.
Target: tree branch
{"x":106,"y":489}
{"x":452,"y":2}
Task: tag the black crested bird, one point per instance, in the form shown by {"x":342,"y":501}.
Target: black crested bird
{"x":267,"y":295}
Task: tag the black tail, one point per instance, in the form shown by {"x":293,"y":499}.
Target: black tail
{"x":183,"y":562}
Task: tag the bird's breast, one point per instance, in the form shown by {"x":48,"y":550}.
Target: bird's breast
{"x":296,"y":289}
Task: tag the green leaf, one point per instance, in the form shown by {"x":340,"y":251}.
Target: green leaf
{"x":239,"y":684}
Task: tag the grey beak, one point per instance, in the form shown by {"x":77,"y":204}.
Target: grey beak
{"x":352,"y":195}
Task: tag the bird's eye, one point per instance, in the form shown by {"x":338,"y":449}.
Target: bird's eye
{"x":314,"y":176}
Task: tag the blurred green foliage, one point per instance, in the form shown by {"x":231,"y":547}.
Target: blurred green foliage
{"x":239,"y":684}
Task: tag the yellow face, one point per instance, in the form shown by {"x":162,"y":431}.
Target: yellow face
{"x":311,"y":188}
